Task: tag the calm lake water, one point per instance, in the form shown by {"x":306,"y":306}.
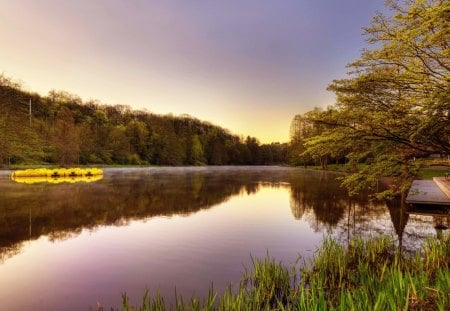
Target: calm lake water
{"x":68,"y":246}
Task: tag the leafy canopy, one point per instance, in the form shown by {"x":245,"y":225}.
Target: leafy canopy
{"x":394,"y":105}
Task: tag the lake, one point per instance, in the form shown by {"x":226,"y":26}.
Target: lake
{"x":68,"y":246}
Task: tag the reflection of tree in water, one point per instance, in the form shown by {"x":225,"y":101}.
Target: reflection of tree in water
{"x":320,"y":201}
{"x":62,"y":211}
{"x":251,"y":188}
{"x":439,"y":213}
{"x":319,"y":198}
{"x":425,"y":220}
{"x":441,"y":222}
{"x":399,"y":218}
{"x":9,"y":251}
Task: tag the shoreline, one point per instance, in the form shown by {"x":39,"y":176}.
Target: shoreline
{"x":366,"y":274}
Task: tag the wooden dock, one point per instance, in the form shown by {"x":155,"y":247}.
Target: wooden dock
{"x":429,"y":192}
{"x":444,"y":184}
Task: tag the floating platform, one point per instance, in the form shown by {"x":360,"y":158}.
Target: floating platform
{"x":426,"y":192}
{"x":58,"y":172}
{"x":55,"y":180}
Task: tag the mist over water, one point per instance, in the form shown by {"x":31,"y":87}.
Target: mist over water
{"x":69,"y":246}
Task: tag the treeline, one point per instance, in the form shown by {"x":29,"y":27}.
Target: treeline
{"x":393,"y":109}
{"x":63,"y":129}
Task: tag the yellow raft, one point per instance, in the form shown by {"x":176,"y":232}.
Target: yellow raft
{"x":55,"y":180}
{"x":58,"y":172}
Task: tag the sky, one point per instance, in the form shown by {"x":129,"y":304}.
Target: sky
{"x":248,"y":66}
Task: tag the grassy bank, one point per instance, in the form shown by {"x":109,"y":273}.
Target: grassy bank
{"x":429,"y":173}
{"x":365,"y":275}
{"x":345,"y":168}
{"x":423,"y":173}
{"x":28,"y":166}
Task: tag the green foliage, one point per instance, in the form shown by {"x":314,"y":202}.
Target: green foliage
{"x":365,"y":275}
{"x":429,"y":173}
{"x":196,"y":154}
{"x":394,"y":106}
{"x":18,"y":138}
{"x":65,"y":137}
{"x":66,"y":130}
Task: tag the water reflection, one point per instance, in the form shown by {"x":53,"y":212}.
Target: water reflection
{"x":63,"y":211}
{"x":320,"y":199}
{"x":56,"y":180}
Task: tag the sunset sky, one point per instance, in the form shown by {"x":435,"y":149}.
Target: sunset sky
{"x":248,"y":66}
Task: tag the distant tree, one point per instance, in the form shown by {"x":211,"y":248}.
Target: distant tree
{"x":66,"y":130}
{"x":19,"y":140}
{"x":300,"y":130}
{"x":168,"y":148}
{"x":119,"y":145}
{"x":66,"y":137}
{"x":10,"y":119}
{"x":255,"y":152}
{"x":137,"y":133}
{"x":195,"y":153}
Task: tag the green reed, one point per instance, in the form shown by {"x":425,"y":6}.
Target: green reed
{"x":363,"y":275}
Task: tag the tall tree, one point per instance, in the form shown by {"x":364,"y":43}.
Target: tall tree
{"x":395,"y":104}
{"x":300,"y":130}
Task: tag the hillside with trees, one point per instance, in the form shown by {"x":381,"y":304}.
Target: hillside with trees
{"x":63,"y":129}
{"x":393,"y":109}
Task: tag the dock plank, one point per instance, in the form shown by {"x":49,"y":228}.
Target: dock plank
{"x":444,"y":184}
{"x":426,"y":192}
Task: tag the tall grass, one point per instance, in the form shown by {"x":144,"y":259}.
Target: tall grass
{"x":364,"y":275}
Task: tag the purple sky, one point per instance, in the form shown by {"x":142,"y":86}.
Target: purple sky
{"x":248,"y":66}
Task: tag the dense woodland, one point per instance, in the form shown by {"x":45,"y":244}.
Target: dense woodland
{"x":62,"y":129}
{"x":393,"y":109}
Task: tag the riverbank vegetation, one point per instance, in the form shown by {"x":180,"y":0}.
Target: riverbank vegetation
{"x":430,"y":173}
{"x":363,"y":275}
{"x":393,"y":109}
{"x":62,"y":129}
{"x":426,"y":172}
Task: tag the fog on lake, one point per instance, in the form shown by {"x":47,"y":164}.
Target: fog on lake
{"x":71,"y":245}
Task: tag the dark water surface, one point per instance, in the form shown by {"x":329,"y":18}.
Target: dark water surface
{"x":69,"y":246}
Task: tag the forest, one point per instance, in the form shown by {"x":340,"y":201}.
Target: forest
{"x":63,"y":129}
{"x":392,"y":111}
